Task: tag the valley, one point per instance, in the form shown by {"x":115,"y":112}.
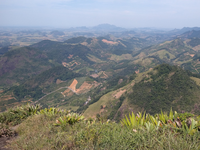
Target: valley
{"x":119,"y":73}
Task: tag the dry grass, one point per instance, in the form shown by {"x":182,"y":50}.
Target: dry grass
{"x":94,"y":59}
{"x":197,"y":80}
{"x":96,"y":107}
{"x":122,"y":57}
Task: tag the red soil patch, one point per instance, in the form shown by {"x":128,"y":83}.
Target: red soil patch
{"x":58,"y":81}
{"x":70,"y":56}
{"x":94,"y":75}
{"x":150,"y":68}
{"x":192,"y":55}
{"x":7,"y":97}
{"x":73,"y":85}
{"x":138,"y":71}
{"x":64,"y":64}
{"x":120,"y":81}
{"x":102,"y":110}
{"x":109,"y":42}
{"x":70,"y":93}
{"x":196,"y":48}
{"x":84,"y":87}
{"x":119,"y":94}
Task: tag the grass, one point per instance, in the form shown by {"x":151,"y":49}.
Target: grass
{"x":162,"y":54}
{"x":94,"y":59}
{"x":96,"y":107}
{"x":197,"y":80}
{"x":39,"y":132}
{"x":55,"y":86}
{"x":73,"y":108}
{"x":182,"y":62}
{"x":59,"y":129}
{"x":122,"y":57}
{"x":85,"y":68}
{"x":80,"y":81}
{"x":147,"y":62}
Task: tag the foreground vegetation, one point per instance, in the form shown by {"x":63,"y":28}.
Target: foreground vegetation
{"x":59,"y":129}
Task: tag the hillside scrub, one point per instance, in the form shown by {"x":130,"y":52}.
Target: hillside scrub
{"x":59,"y":129}
{"x":171,"y":86}
{"x":38,"y":132}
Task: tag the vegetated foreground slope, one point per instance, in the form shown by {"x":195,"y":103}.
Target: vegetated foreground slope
{"x":161,"y":88}
{"x":62,"y":129}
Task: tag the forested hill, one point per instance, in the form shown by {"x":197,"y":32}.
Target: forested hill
{"x":167,"y":87}
{"x":161,"y":88}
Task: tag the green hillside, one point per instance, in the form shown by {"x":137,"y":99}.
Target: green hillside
{"x":103,"y":59}
{"x":20,"y":64}
{"x":169,"y":87}
{"x":176,"y":52}
{"x":53,"y":87}
{"x":161,"y":88}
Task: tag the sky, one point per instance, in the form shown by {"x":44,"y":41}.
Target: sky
{"x":122,"y":13}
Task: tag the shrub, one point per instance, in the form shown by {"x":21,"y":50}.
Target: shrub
{"x":16,"y":115}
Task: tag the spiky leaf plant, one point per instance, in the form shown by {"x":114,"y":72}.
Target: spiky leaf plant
{"x":52,"y":111}
{"x":71,"y":119}
{"x":162,"y":120}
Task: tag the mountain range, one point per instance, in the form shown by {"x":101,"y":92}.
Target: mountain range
{"x":106,"y":75}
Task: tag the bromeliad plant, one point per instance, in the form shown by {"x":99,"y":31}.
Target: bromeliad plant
{"x":52,"y":111}
{"x":135,"y":121}
{"x":186,"y":124}
{"x":14,"y":116}
{"x":71,"y":119}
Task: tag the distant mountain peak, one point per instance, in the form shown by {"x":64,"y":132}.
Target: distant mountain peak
{"x":107,"y":26}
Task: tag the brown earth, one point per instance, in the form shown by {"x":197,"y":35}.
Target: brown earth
{"x":73,"y":85}
{"x":94,"y":75}
{"x":7,"y":97}
{"x":106,"y":76}
{"x":137,"y":71}
{"x":192,"y":55}
{"x":3,"y":143}
{"x":84,"y":87}
{"x":103,"y":75}
{"x":150,"y":68}
{"x":196,"y":48}
{"x":119,"y":94}
{"x":120,"y":81}
{"x":70,"y":56}
{"x":122,"y":43}
{"x":64,"y":64}
{"x":67,"y":92}
{"x":109,"y":42}
{"x":84,"y":43}
{"x":58,"y":81}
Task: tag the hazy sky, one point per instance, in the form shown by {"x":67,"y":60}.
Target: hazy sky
{"x":123,"y":13}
